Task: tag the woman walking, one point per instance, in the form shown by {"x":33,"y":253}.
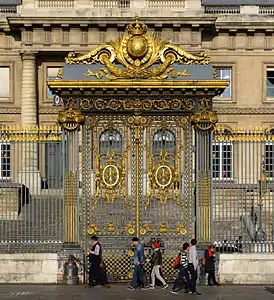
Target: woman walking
{"x":210,"y":265}
{"x":156,"y":261}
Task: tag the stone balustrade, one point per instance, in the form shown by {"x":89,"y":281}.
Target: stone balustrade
{"x":56,"y":3}
{"x":165,"y":3}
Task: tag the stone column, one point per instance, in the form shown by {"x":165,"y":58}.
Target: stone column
{"x":28,"y":90}
{"x":29,"y":174}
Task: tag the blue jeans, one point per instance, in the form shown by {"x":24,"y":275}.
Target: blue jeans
{"x":139,"y":276}
{"x":183,"y":273}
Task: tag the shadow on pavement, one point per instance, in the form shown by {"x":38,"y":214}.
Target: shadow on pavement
{"x":269,"y":289}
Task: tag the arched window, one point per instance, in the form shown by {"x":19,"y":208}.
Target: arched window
{"x":164,"y":140}
{"x":222,"y":157}
{"x":110,"y":140}
{"x":269,"y":156}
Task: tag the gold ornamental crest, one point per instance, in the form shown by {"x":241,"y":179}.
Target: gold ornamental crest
{"x":137,"y":55}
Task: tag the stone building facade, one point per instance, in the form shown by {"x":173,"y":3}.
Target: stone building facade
{"x":36,"y":35}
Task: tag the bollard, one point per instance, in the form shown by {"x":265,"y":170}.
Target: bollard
{"x":71,"y":272}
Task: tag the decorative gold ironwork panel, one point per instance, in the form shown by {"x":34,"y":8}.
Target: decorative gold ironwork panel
{"x":167,"y":194}
{"x":137,"y":179}
{"x":108,"y":200}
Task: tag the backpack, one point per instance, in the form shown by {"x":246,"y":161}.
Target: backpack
{"x":203,"y":261}
{"x":177,"y":262}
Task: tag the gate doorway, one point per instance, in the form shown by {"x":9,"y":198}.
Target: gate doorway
{"x":138,"y":183}
{"x":144,"y":111}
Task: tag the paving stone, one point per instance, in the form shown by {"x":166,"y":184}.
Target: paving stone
{"x":120,"y":292}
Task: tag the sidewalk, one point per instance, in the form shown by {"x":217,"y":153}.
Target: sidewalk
{"x":119,"y":292}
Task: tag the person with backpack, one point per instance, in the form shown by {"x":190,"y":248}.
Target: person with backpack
{"x":156,"y":262}
{"x":181,"y":263}
{"x":209,"y":264}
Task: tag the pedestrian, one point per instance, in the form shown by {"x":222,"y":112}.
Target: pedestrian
{"x":96,"y":274}
{"x":193,"y":265}
{"x":156,"y":262}
{"x":210,"y":265}
{"x":139,"y":262}
{"x":183,"y":273}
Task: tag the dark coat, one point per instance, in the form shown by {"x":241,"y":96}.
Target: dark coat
{"x":210,"y":262}
{"x":156,"y":259}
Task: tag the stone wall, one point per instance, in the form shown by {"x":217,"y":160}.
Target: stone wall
{"x":246,"y":268}
{"x":28,"y":268}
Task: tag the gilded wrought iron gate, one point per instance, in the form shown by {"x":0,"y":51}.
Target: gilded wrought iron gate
{"x":137,"y":181}
{"x":139,"y":100}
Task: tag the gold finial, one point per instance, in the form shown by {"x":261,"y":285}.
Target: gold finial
{"x":136,"y":19}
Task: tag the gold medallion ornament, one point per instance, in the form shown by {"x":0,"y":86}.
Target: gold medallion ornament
{"x":133,"y":56}
{"x":129,"y":228}
{"x":92,"y":229}
{"x":181,"y":229}
{"x":110,"y":178}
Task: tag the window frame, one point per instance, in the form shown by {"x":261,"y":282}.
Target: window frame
{"x":226,"y":67}
{"x":267,"y":172}
{"x":221,"y":177}
{"x":266,"y":97}
{"x":46,"y":98}
{"x":10,"y":66}
{"x":10,"y":167}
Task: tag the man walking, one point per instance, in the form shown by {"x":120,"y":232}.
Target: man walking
{"x":139,"y":262}
{"x":183,"y":272}
{"x":193,"y":265}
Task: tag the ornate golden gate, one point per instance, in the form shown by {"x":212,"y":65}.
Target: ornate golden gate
{"x":144,"y":106}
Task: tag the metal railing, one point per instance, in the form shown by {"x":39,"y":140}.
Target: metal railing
{"x":266,"y":10}
{"x":222,"y":9}
{"x":31,"y":189}
{"x":122,"y":4}
{"x":242,"y":204}
{"x":56,"y":3}
{"x":166,"y":3}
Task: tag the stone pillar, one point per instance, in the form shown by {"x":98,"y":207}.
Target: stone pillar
{"x":29,"y":174}
{"x":28,"y":90}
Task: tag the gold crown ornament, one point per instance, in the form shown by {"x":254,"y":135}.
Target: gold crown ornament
{"x":137,"y":28}
{"x":137,"y":45}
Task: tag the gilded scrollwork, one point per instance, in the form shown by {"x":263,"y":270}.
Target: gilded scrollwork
{"x":137,"y":55}
{"x":110,"y":178}
{"x":205,"y":120}
{"x":163,"y":176}
{"x":70,"y":119}
{"x":137,"y":104}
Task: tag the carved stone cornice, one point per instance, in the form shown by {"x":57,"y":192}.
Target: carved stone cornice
{"x":244,"y":110}
{"x":10,"y":110}
{"x":49,"y":110}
